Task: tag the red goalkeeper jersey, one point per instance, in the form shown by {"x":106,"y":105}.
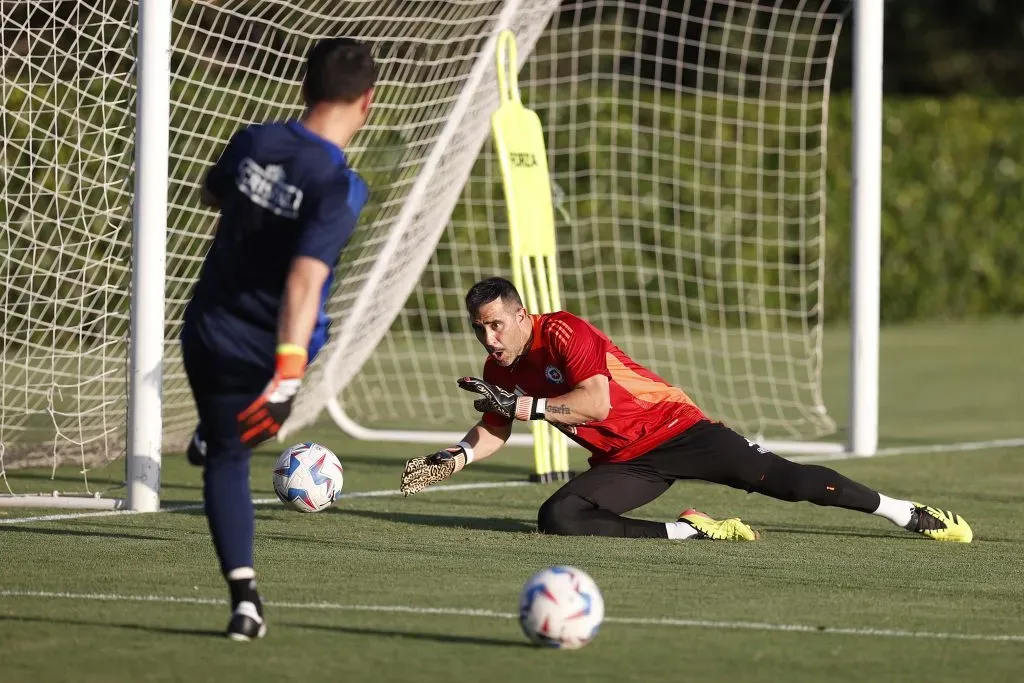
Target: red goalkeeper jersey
{"x":565,"y":350}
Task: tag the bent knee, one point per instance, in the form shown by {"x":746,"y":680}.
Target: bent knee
{"x":561,"y":516}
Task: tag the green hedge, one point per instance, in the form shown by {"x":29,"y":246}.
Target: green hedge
{"x":661,"y":199}
{"x":952,"y":208}
{"x":953,"y":204}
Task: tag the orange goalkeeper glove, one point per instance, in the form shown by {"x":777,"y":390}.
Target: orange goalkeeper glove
{"x":264,"y":417}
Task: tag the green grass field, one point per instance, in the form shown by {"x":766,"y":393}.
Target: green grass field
{"x":381,"y":588}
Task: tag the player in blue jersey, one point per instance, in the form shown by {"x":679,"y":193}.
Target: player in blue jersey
{"x":288,"y":204}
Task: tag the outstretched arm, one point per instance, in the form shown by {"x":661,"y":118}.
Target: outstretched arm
{"x":485,"y":439}
{"x":588,"y":401}
{"x":481,"y":441}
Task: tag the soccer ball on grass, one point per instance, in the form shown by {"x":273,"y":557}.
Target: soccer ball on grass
{"x":561,"y":607}
{"x":308,"y":477}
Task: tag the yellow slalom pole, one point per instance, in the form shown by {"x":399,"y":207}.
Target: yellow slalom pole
{"x":519,"y":142}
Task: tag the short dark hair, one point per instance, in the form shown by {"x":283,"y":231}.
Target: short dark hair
{"x":338,"y":70}
{"x":486,"y":291}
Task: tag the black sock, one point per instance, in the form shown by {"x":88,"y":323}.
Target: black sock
{"x":244,"y":590}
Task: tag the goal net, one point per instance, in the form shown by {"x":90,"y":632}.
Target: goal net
{"x":66,"y":134}
{"x":686,"y":142}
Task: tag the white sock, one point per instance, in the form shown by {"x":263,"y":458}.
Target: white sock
{"x":241,"y":573}
{"x":678,"y":531}
{"x":896,"y":511}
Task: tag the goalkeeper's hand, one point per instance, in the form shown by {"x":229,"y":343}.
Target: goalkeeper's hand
{"x":502,"y":401}
{"x":421,"y":472}
{"x":264,"y":417}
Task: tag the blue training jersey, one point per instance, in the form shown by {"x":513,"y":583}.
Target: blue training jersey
{"x":283,"y":192}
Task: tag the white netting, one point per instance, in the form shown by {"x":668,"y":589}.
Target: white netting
{"x":687,"y":146}
{"x":66,"y":132}
{"x":686,"y":140}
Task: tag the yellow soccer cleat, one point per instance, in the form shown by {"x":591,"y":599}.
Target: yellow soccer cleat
{"x":725,"y":530}
{"x":941,"y":525}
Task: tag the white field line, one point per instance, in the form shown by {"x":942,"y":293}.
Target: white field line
{"x":824,"y":457}
{"x":491,"y":614}
{"x":917,"y":450}
{"x":383,"y":493}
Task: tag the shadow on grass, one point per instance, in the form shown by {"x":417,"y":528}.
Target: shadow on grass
{"x":165,"y":630}
{"x":17,"y":528}
{"x":477,"y":523}
{"x":309,"y":540}
{"x":412,"y":635}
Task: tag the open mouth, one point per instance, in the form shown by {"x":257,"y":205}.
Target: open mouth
{"x":497,"y":355}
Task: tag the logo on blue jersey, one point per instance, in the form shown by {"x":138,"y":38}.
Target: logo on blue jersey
{"x":266,"y":187}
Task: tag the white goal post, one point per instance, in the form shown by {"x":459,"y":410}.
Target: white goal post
{"x":113,"y":109}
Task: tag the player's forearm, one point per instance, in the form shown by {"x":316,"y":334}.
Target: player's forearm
{"x":576,"y":407}
{"x":485,"y":440}
{"x":480,"y":442}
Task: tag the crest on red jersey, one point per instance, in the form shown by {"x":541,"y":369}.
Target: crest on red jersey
{"x":554,"y":374}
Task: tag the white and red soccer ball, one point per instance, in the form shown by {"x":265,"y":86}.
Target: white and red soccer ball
{"x":308,"y":477}
{"x":561,"y":607}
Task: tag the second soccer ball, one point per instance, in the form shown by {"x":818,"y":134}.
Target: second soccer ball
{"x":308,"y":477}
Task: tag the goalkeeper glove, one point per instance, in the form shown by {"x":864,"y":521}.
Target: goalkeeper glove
{"x":264,"y":417}
{"x":502,"y":401}
{"x":421,"y":472}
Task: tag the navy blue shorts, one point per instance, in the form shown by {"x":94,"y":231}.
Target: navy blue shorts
{"x":222,"y":387}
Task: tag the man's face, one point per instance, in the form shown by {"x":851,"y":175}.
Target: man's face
{"x":503,"y":329}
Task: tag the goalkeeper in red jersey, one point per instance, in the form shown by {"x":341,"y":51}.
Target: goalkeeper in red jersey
{"x":642,"y":433}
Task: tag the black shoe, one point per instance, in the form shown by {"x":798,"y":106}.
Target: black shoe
{"x":196,"y":452}
{"x":246,"y":623}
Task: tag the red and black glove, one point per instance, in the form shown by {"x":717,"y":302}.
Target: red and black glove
{"x":264,"y":417}
{"x":502,"y":401}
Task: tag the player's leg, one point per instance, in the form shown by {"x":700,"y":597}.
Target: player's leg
{"x":713,"y":452}
{"x":226,"y":495}
{"x":229,"y":510}
{"x":592,"y":504}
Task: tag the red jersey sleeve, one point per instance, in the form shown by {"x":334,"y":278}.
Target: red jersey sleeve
{"x":579,"y":346}
{"x":491,"y":375}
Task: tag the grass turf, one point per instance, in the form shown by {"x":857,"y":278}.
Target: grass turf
{"x":473,"y":549}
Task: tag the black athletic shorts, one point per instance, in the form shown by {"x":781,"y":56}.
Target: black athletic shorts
{"x":708,"y":451}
